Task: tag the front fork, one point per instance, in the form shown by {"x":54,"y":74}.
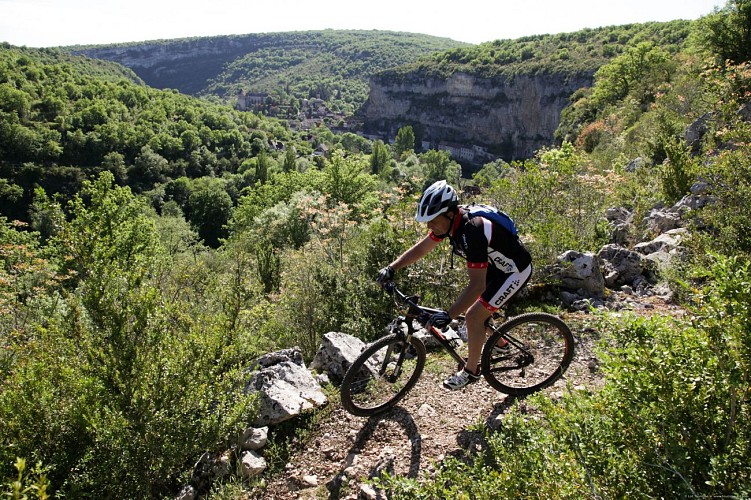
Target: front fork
{"x":405,"y":339}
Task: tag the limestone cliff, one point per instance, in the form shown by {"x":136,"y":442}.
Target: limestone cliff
{"x":511,"y":116}
{"x":185,"y":65}
{"x":223,"y":65}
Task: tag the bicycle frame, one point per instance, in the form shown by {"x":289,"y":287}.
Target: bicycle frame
{"x":420,"y":314}
{"x":389,"y":367}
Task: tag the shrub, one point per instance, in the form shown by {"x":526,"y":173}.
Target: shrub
{"x":591,"y":135}
{"x":678,"y":172}
{"x":556,"y":201}
{"x":122,"y":387}
{"x":729,"y":216}
{"x":27,"y":484}
{"x":672,"y":420}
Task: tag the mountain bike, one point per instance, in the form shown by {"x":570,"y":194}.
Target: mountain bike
{"x":537,"y":350}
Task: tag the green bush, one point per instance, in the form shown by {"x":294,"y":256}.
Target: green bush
{"x":122,"y":387}
{"x":672,"y":420}
{"x":556,"y":200}
{"x":678,"y":173}
{"x":27,"y":484}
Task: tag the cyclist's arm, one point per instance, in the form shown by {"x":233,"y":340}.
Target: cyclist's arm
{"x":417,"y":252}
{"x":471,"y":292}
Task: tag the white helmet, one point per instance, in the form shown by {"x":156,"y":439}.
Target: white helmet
{"x":438,"y":198}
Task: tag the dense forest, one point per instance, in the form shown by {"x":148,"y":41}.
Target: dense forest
{"x":290,"y":67}
{"x":562,"y":53}
{"x":152,"y":245}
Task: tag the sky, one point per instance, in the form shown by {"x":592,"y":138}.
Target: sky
{"x":49,"y":23}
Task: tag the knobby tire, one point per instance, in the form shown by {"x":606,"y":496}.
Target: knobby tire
{"x":372,"y":385}
{"x":540,"y":348}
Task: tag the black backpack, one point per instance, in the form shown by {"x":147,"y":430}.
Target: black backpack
{"x":491,"y":213}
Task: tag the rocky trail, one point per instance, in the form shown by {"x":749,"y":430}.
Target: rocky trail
{"x":343,"y":451}
{"x":430,"y":424}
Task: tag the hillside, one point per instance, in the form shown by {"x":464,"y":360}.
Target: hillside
{"x":502,"y":98}
{"x":166,"y":244}
{"x":564,"y":53}
{"x":330,"y":65}
{"x":64,"y":118}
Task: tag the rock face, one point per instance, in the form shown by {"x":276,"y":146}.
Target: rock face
{"x":511,"y":116}
{"x":185,"y":65}
{"x":285,"y":387}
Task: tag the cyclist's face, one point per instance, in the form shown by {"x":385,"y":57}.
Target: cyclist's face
{"x":440,"y":225}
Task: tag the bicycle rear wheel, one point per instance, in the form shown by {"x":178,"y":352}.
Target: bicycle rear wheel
{"x":540,"y":348}
{"x":382,"y":375}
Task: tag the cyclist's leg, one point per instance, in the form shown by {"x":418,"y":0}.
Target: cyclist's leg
{"x":501,"y":287}
{"x":476,"y":317}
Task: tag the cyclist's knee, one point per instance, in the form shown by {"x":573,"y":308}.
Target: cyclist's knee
{"x":477,"y":315}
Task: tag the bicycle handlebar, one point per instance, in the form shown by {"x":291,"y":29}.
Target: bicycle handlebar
{"x":423,"y":313}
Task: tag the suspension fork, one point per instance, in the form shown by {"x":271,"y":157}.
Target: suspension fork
{"x":405,"y":341}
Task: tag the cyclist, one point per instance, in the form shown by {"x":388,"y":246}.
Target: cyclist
{"x":498,"y":267}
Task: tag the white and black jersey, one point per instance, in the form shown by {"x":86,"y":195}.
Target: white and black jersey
{"x":485,"y":244}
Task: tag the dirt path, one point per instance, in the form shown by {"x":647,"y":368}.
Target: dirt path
{"x":430,"y":424}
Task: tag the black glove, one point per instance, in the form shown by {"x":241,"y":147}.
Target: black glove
{"x":438,"y":320}
{"x":385,"y":274}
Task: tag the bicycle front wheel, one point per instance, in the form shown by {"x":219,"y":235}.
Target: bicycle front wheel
{"x":382,"y":375}
{"x":539,"y":349}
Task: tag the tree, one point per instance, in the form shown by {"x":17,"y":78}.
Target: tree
{"x":405,"y":141}
{"x":636,"y":72}
{"x":46,"y":217}
{"x":438,"y":165}
{"x":149,"y":167}
{"x":179,"y":190}
{"x":727,"y":32}
{"x":10,"y":193}
{"x":268,"y":264}
{"x":102,"y":214}
{"x":489,"y":173}
{"x":290,"y":159}
{"x":114,"y":162}
{"x":345,"y":179}
{"x":262,"y":167}
{"x":175,"y":233}
{"x":209,"y":210}
{"x":379,"y":158}
{"x":355,"y":143}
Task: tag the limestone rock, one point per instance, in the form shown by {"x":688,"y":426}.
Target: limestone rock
{"x":336,"y":354}
{"x":285,"y":389}
{"x":252,"y":464}
{"x":580,"y":271}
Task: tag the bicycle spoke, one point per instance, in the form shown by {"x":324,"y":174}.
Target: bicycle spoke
{"x":540,"y":347}
{"x":381,"y":376}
